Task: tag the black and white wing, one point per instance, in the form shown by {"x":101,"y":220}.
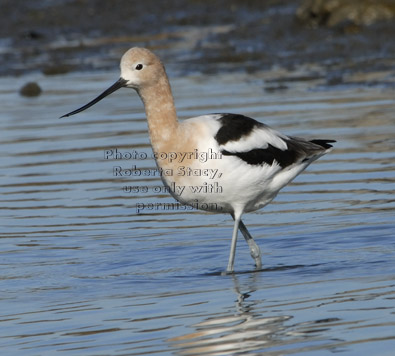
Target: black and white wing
{"x":257,"y":144}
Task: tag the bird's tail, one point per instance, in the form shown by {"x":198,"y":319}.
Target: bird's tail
{"x":323,"y":143}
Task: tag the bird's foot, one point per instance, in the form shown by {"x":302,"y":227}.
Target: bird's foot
{"x":227,"y":272}
{"x":255,"y":254}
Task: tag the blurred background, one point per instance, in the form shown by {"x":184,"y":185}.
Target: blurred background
{"x":59,"y":36}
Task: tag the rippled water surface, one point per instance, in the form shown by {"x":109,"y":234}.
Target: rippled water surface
{"x":89,"y":269}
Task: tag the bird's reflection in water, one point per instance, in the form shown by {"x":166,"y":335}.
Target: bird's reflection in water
{"x":232,"y":333}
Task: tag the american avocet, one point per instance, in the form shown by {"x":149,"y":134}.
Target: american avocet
{"x":255,"y":160}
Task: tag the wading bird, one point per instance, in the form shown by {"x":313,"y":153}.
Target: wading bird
{"x":256,"y":161}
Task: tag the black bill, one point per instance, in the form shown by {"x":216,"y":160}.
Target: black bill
{"x":120,"y":83}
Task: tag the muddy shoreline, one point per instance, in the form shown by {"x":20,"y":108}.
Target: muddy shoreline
{"x":61,"y":36}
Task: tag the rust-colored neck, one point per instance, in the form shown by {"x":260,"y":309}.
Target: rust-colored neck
{"x":161,"y":114}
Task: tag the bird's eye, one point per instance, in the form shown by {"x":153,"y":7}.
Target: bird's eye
{"x":139,"y":66}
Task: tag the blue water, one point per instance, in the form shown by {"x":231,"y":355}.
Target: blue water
{"x":84,"y":274}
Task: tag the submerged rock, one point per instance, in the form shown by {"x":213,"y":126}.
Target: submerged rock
{"x":335,"y":12}
{"x":30,"y":89}
{"x":55,"y":69}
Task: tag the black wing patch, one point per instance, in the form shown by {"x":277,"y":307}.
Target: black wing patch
{"x":234,"y":127}
{"x":298,"y":151}
{"x":268,"y":155}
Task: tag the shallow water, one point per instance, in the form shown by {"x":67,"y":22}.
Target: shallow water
{"x":85,"y":272}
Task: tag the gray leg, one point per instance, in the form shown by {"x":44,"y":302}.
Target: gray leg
{"x":231,"y":262}
{"x":254,"y":248}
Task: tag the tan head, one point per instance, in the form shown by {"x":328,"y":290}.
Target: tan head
{"x":140,"y":69}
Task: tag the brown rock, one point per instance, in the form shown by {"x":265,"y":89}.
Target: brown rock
{"x":334,"y":12}
{"x":30,"y":89}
